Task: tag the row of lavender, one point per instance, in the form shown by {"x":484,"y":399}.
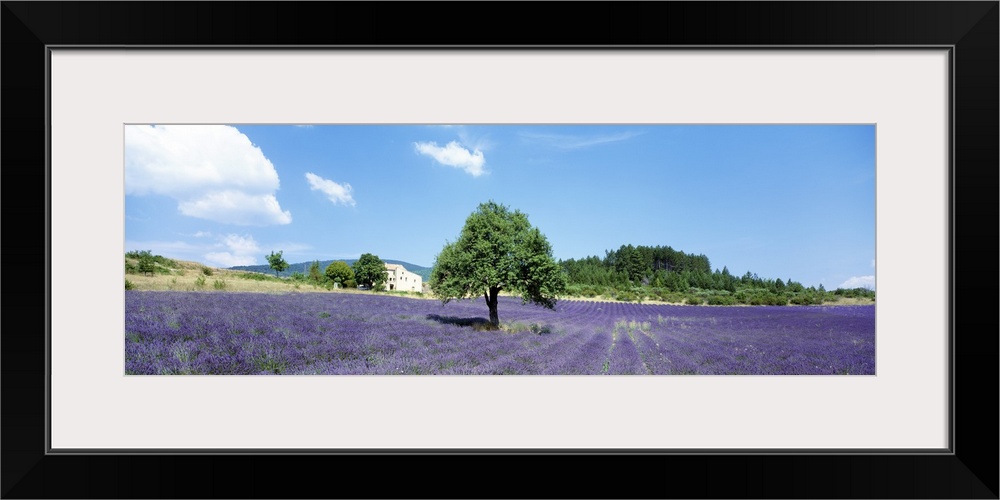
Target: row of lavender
{"x":245,"y":333}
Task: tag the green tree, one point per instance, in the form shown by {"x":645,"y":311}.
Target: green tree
{"x":277,"y":262}
{"x":314,"y":274}
{"x":498,"y":250}
{"x":339,"y":272}
{"x":146,"y":263}
{"x":369,"y":270}
{"x":629,"y":261}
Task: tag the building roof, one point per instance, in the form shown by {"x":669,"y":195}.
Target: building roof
{"x":394,"y":266}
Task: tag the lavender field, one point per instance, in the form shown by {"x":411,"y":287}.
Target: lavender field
{"x":217,"y":333}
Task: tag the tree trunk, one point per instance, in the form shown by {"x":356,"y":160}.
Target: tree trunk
{"x":491,"y":302}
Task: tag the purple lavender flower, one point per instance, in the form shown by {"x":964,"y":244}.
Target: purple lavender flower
{"x":219,"y":333}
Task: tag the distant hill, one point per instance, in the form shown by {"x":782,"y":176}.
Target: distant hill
{"x":303,"y":267}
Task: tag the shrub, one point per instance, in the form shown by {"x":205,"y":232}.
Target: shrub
{"x":589,"y":291}
{"x":199,"y":281}
{"x":256,"y":277}
{"x":777,"y":299}
{"x":521,"y":327}
{"x":540,"y":329}
{"x":806,"y":299}
{"x":514,"y":327}
{"x":219,"y":284}
{"x":129,"y":285}
{"x":768,"y":299}
{"x":207,"y":271}
{"x":721,"y":300}
{"x":693,"y":300}
{"x":668,"y":296}
{"x":761,"y":297}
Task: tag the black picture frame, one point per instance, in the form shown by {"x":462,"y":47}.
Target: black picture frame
{"x":970,"y":29}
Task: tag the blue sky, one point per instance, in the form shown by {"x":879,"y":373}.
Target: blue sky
{"x":791,"y":202}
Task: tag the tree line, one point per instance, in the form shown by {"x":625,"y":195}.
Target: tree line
{"x":633,"y":273}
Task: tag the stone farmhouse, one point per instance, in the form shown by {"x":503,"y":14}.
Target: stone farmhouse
{"x":401,"y":279}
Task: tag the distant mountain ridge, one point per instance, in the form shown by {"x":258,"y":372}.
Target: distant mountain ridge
{"x":303,"y":267}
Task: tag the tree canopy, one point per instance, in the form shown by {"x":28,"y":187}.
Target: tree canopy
{"x":339,"y":272}
{"x":498,"y":250}
{"x":277,"y":262}
{"x":369,"y":270}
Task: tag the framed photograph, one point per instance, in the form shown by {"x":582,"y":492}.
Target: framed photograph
{"x":897,"y":101}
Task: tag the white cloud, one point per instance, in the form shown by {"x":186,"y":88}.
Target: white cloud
{"x":240,"y":244}
{"x":562,"y":141}
{"x":238,"y":251}
{"x":454,"y":155}
{"x":236,"y":207}
{"x":337,"y":193}
{"x":213,"y":171}
{"x":859,"y":282}
{"x":226,"y":259}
